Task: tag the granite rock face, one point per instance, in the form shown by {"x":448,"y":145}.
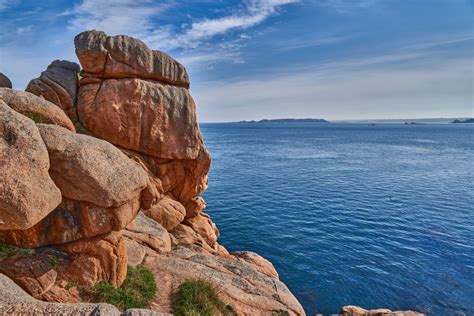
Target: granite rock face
{"x":122,"y":56}
{"x":36,"y":108}
{"x":5,"y":81}
{"x":58,"y":84}
{"x":358,"y":311}
{"x":124,"y":190}
{"x":27,"y":192}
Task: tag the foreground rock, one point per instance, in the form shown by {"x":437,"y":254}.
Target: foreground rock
{"x":36,"y":108}
{"x":239,"y":284}
{"x":15,"y":301}
{"x":91,"y":170}
{"x":58,"y":84}
{"x":4,"y":81}
{"x":358,"y":311}
{"x":122,"y":56}
{"x":27,"y":193}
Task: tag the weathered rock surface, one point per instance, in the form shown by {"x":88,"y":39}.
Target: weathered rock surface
{"x":27,"y":193}
{"x":73,"y":220}
{"x":36,"y":108}
{"x":261,"y":264}
{"x":103,"y":258}
{"x":15,"y":301}
{"x":58,"y":84}
{"x":239,"y":284}
{"x":91,"y":170}
{"x":167,"y":212}
{"x":4,"y":81}
{"x":149,"y":117}
{"x":122,"y":56}
{"x":144,"y":236}
{"x":358,"y":311}
{"x":203,"y":225}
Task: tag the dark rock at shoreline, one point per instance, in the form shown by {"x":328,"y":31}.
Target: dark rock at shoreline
{"x":469,"y":120}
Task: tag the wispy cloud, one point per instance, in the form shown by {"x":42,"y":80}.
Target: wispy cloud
{"x":347,"y":89}
{"x":345,"y":6}
{"x":115,"y":16}
{"x":138,"y":18}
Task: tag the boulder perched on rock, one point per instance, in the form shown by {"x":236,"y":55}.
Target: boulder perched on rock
{"x":89,"y":169}
{"x":27,"y":193}
{"x":146,"y":116}
{"x":122,"y":56}
{"x":4,"y":81}
{"x":58,"y":84}
{"x":36,"y":108}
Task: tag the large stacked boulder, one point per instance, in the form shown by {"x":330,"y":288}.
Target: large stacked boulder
{"x":4,"y":81}
{"x":124,"y":190}
{"x":58,"y":84}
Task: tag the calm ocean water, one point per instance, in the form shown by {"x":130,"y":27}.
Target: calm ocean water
{"x":375,"y":216}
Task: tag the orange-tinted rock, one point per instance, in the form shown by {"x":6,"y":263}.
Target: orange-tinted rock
{"x":238,"y":283}
{"x":111,"y":255}
{"x":203,"y":225}
{"x":261,"y":264}
{"x":4,"y":81}
{"x":358,"y":311}
{"x":35,"y":274}
{"x":145,"y":116}
{"x":32,"y":106}
{"x":167,"y":212}
{"x":195,"y":206}
{"x":27,"y":193}
{"x":58,"y":84}
{"x":122,"y":56}
{"x":90,"y":169}
{"x":71,"y":221}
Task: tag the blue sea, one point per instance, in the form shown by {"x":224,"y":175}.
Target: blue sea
{"x":351,"y":214}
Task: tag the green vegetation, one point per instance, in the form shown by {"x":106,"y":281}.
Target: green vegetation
{"x":7,"y":250}
{"x":36,"y":117}
{"x":137,"y":291}
{"x":53,"y":260}
{"x":199,"y":298}
{"x":70,"y":285}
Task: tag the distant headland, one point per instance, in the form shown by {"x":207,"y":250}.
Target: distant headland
{"x":287,"y":120}
{"x":469,"y":120}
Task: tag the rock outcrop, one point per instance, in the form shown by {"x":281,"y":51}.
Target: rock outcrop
{"x":58,"y":84}
{"x":124,"y":190}
{"x":27,"y":193}
{"x":36,"y":108}
{"x":358,"y":311}
{"x":4,"y":81}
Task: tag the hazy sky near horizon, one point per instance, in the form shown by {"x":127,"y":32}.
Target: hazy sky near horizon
{"x":254,"y":59}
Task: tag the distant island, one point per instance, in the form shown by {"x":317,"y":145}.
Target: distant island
{"x":287,"y":120}
{"x":469,"y":120}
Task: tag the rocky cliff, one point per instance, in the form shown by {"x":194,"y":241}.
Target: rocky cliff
{"x":103,"y":166}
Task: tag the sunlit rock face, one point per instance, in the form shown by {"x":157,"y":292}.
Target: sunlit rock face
{"x":125,"y":189}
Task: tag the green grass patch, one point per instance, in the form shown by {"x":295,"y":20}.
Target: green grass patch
{"x":137,"y":291}
{"x":199,"y":298}
{"x":7,"y":250}
{"x":53,"y":261}
{"x":36,"y":117}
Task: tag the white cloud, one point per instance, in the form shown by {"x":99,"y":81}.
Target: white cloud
{"x":116,"y":16}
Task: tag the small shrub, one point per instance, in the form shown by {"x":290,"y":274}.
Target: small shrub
{"x":199,"y":298}
{"x":10,"y":251}
{"x":53,"y":260}
{"x":137,"y":291}
{"x":70,"y":285}
{"x":36,"y":117}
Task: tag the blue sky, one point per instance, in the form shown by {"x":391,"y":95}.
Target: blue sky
{"x":254,"y":59}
